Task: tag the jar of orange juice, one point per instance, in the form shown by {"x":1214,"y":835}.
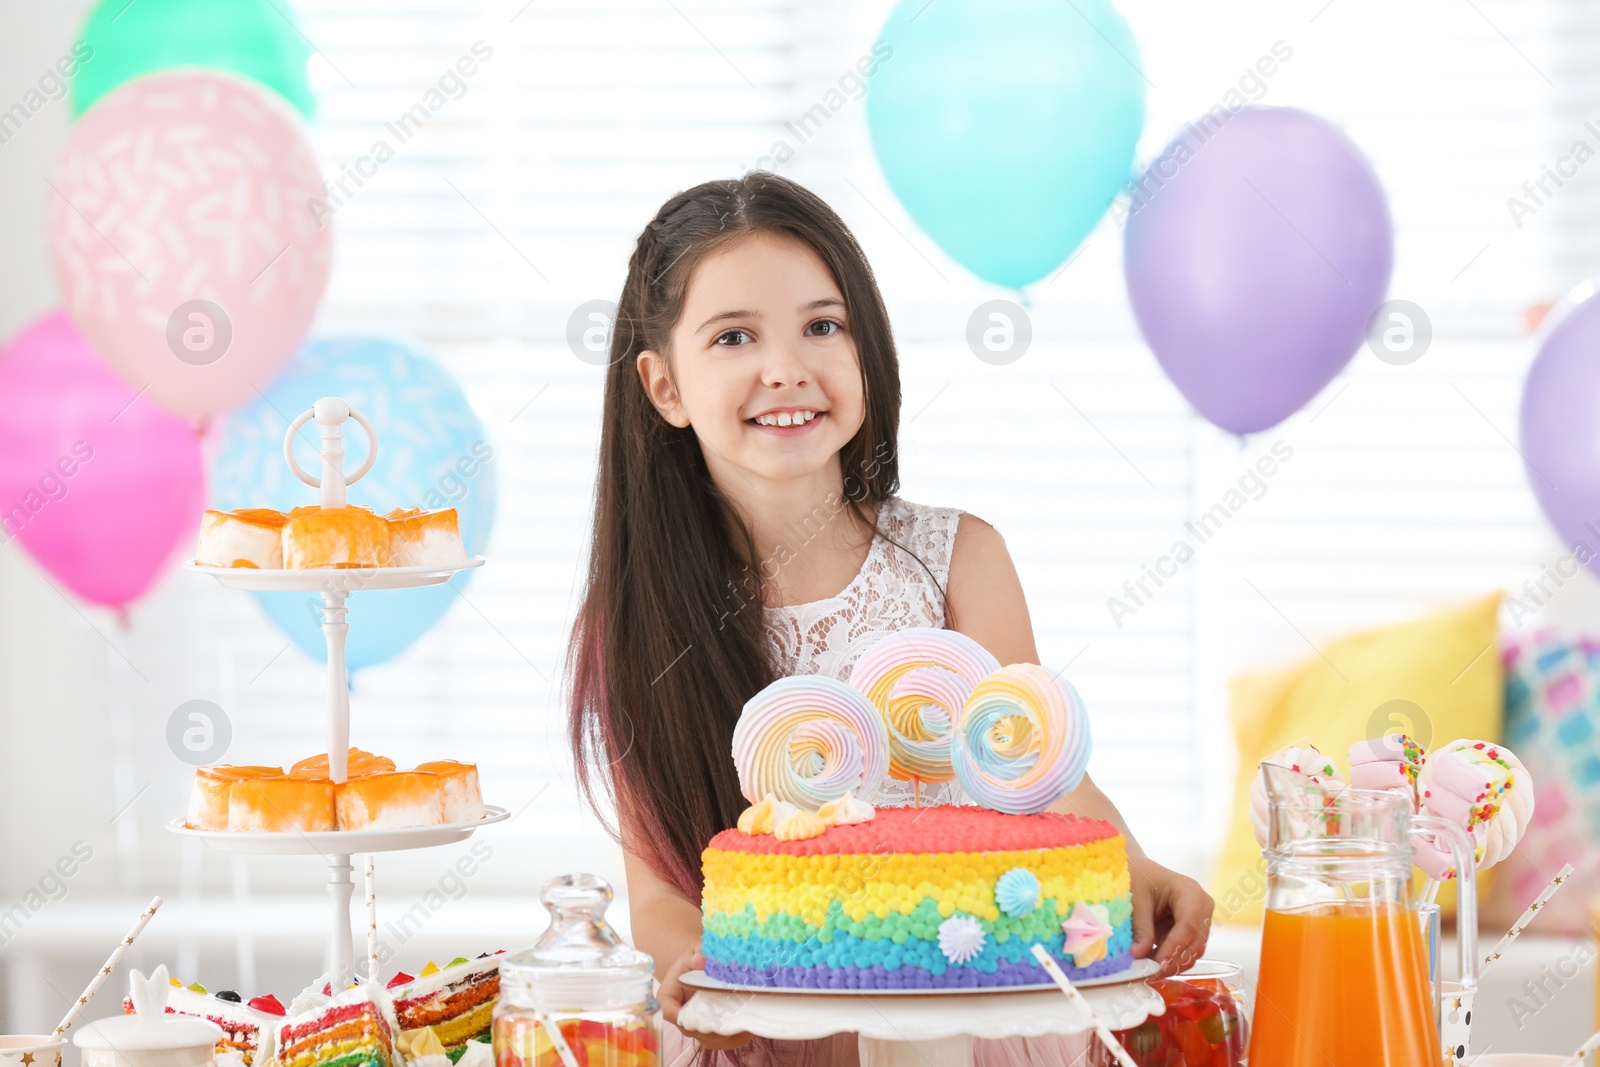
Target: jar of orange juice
{"x":579,"y":996}
{"x":1344,"y":978}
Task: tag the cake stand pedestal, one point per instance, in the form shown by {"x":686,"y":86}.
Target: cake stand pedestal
{"x":336,"y":585}
{"x":916,"y":1030}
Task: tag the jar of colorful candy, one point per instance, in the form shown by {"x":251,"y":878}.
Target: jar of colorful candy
{"x":579,"y":997}
{"x":1204,"y":1024}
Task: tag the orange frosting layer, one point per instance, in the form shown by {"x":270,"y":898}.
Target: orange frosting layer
{"x":407,"y":796}
{"x":336,"y":537}
{"x":224,"y":772}
{"x":358,"y":763}
{"x":278,"y":805}
{"x":412,"y":522}
{"x":449,"y":768}
{"x":208,"y":804}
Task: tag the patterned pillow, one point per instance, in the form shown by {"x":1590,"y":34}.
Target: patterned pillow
{"x":1553,"y":724}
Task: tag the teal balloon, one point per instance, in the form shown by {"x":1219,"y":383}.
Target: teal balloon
{"x":255,"y":39}
{"x":1006,"y":127}
{"x":432,"y":452}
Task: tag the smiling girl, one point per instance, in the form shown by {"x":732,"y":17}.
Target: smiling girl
{"x":747,"y":527}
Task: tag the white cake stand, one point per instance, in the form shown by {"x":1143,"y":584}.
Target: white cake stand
{"x":336,"y":585}
{"x":904,"y":1029}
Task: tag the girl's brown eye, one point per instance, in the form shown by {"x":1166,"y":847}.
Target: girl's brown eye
{"x":732,"y":333}
{"x":837,"y":326}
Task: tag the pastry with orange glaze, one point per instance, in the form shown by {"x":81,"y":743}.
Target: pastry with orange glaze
{"x":357,"y":763}
{"x":249,"y":537}
{"x":336,"y":537}
{"x":426,"y":538}
{"x":458,"y":787}
{"x":208,"y":802}
{"x":279,"y":804}
{"x":390,"y":799}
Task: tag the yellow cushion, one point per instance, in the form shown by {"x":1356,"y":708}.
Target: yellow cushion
{"x":1446,"y":664}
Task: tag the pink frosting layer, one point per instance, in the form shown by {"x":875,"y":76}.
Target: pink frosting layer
{"x":937,"y":829}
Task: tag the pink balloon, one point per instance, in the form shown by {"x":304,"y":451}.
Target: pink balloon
{"x":183,"y":237}
{"x":101,"y":488}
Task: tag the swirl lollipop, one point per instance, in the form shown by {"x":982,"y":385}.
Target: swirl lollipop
{"x":919,"y":722}
{"x":1021,"y":741}
{"x":808,"y":740}
{"x":1481,"y":787}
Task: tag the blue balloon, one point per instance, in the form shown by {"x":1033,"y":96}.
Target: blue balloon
{"x":432,"y":452}
{"x":1006,"y":127}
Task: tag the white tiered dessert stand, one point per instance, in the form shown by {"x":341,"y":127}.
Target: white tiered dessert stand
{"x":913,"y":1028}
{"x":336,"y":585}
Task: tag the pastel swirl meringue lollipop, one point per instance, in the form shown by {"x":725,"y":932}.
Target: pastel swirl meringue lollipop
{"x":919,"y":724}
{"x":1021,"y":741}
{"x":807,"y":740}
{"x":1392,"y":763}
{"x":1303,"y":758}
{"x":1481,"y":787}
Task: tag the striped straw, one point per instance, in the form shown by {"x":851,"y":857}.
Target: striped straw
{"x":1106,"y":1037}
{"x":110,"y":965}
{"x":1527,"y":917}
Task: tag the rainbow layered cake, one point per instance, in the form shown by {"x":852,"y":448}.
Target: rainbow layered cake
{"x":913,"y":898}
{"x":355,"y":1028}
{"x":455,"y":1002}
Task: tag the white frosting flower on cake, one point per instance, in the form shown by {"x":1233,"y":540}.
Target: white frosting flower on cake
{"x":961,"y":938}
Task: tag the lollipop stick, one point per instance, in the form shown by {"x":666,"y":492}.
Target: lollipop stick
{"x":916,"y":792}
{"x":1106,"y":1037}
{"x":111,"y":964}
{"x":1527,"y":917}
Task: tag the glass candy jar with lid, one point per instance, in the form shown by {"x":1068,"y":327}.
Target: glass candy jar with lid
{"x":580,"y":997}
{"x":149,"y":1037}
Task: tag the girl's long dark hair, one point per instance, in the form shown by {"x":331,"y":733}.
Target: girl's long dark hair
{"x":668,"y":643}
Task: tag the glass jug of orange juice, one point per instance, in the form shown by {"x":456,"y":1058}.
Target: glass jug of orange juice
{"x":1344,"y":970}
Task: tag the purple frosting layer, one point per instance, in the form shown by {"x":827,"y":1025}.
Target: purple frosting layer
{"x":879,"y":977}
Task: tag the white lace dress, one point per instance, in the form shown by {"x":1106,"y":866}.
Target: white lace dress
{"x":892,"y":591}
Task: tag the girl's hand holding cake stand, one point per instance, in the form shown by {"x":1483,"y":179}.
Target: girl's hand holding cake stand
{"x":1171,"y":916}
{"x":672,"y":994}
{"x":1171,"y":912}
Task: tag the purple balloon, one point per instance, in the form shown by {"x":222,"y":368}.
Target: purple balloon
{"x":1561,"y":426}
{"x":103,"y":488}
{"x":1258,"y":247}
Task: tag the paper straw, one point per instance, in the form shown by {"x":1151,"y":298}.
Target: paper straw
{"x":372,"y":927}
{"x":1107,"y":1038}
{"x":1588,"y":1047}
{"x":1527,"y":917}
{"x":1430,"y":890}
{"x":111,"y":964}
